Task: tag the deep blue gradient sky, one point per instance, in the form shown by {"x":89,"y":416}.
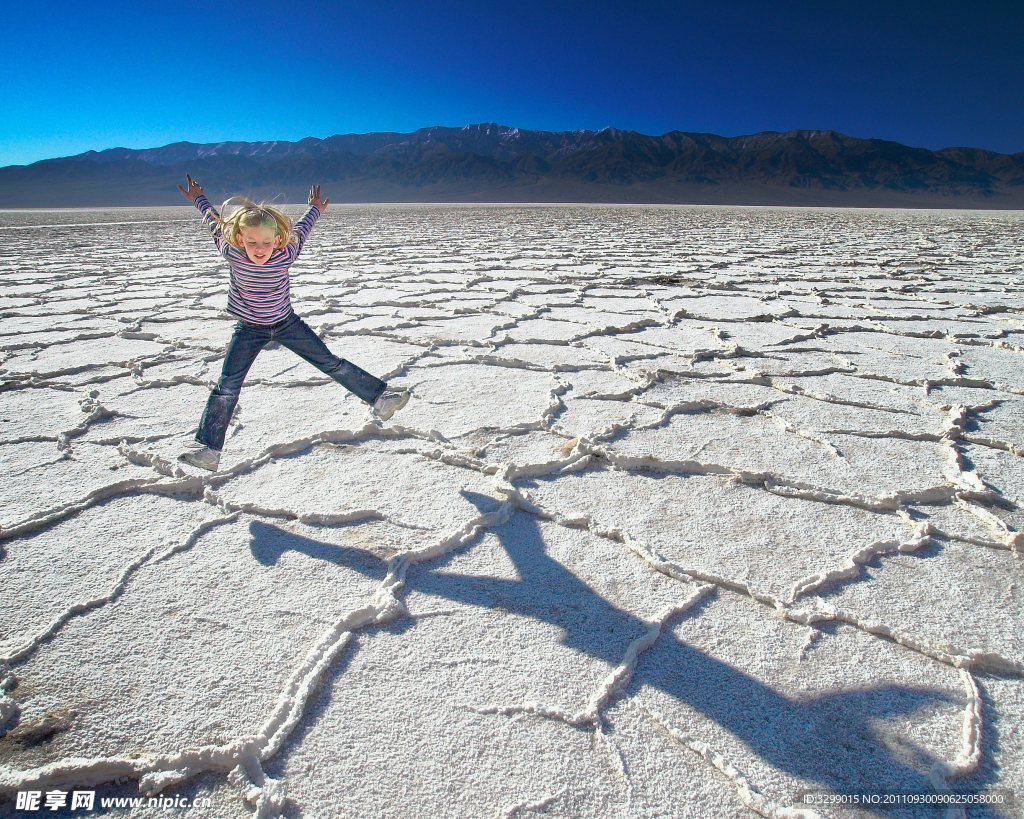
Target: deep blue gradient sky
{"x":81,"y":75}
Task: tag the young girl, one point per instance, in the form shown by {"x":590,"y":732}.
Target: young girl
{"x":260,"y":245}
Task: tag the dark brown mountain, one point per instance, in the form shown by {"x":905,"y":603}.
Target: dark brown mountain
{"x":493,"y":163}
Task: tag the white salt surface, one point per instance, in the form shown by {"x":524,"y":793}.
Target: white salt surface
{"x":693,"y":510}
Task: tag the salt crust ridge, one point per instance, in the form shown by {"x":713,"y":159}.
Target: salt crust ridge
{"x":762,"y":275}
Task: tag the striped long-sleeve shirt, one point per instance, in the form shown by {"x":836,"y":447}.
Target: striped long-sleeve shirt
{"x":259,"y":293}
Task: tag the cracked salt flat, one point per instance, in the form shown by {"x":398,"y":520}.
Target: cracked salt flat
{"x":715,"y":526}
{"x":692,"y":509}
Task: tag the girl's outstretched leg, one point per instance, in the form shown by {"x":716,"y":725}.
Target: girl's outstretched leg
{"x":246,"y":342}
{"x":298,"y":337}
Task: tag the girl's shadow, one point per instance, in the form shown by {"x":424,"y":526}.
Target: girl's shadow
{"x":829,"y":740}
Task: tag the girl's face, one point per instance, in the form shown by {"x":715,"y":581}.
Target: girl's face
{"x":259,"y":242}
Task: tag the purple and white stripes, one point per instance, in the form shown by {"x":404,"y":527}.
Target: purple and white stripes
{"x":259,"y":293}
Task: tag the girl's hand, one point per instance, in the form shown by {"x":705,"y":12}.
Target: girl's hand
{"x":316,"y":201}
{"x":193,"y":191}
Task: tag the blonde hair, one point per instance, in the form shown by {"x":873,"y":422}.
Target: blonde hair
{"x":249,"y":214}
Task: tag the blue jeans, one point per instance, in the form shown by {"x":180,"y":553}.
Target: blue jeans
{"x":246,"y":343}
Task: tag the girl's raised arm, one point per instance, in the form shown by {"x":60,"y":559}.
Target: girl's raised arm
{"x":305,"y":224}
{"x":211,"y":218}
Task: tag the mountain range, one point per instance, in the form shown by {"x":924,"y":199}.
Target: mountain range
{"x":494,"y":163}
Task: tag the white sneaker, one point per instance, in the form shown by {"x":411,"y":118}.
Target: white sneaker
{"x":388,"y":403}
{"x":201,"y":456}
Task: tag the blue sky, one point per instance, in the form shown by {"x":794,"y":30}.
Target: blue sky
{"x":80,"y":76}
